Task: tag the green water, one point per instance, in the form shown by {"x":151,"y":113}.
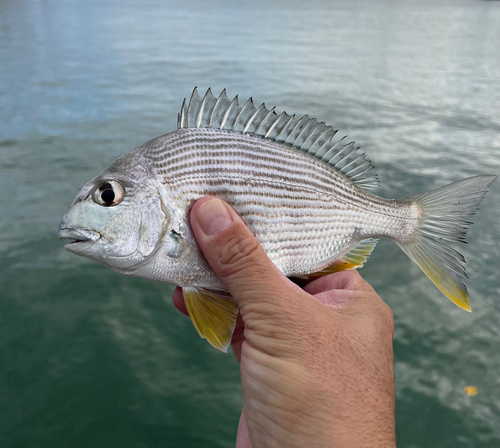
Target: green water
{"x":89,"y":358}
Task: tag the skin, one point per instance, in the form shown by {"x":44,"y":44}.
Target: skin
{"x":316,"y":363}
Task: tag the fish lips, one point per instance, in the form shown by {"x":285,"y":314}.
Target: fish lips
{"x":83,"y":239}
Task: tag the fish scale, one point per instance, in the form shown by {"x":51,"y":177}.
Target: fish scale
{"x":300,"y":189}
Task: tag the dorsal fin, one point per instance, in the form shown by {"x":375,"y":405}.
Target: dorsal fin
{"x":306,"y":134}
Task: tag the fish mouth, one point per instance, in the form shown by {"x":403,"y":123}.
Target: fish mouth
{"x":80,"y":237}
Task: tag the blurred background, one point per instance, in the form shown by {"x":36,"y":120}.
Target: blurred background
{"x":90,"y":358}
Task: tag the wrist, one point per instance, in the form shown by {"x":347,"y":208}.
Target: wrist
{"x":292,"y":404}
{"x":353,"y":414}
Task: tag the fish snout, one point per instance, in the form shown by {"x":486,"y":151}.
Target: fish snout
{"x":83,"y":240}
{"x":79,"y":235}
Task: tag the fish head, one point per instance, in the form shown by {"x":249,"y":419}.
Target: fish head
{"x":117,"y":217}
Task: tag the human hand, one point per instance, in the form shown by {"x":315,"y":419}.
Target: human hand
{"x":316,"y":363}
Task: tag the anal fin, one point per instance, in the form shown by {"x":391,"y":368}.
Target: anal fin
{"x":213,"y":314}
{"x":355,"y":258}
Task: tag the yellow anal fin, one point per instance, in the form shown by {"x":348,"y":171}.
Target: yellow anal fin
{"x":213,"y":315}
{"x":353,"y":259}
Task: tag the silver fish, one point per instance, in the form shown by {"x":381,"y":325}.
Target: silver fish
{"x":302,"y":192}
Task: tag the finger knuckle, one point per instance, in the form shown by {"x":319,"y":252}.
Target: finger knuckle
{"x":238,"y":253}
{"x":386,"y":318}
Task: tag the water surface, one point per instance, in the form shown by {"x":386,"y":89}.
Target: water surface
{"x":91,"y":358}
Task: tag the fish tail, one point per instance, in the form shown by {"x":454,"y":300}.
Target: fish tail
{"x":440,"y":220}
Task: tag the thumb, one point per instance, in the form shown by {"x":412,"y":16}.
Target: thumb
{"x":236,"y":255}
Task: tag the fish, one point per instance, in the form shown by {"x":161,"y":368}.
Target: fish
{"x":303,"y":192}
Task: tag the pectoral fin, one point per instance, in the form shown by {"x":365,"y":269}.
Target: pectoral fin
{"x":213,"y":315}
{"x":353,"y":259}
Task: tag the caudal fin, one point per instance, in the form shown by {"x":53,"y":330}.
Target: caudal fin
{"x":441,"y":211}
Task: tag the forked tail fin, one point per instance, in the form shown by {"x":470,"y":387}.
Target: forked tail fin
{"x":441,"y":210}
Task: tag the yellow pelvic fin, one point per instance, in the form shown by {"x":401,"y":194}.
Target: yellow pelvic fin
{"x":353,"y":259}
{"x":213,"y":315}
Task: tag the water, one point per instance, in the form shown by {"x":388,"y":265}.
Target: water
{"x":91,"y":358}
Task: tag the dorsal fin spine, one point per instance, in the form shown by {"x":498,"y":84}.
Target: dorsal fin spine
{"x":192,"y":101}
{"x":249,"y":122}
{"x":222,"y":104}
{"x":182,"y":115}
{"x":274,"y":125}
{"x":303,"y":132}
{"x":355,"y":176}
{"x":323,"y":149}
{"x":362,"y":168}
{"x":333,"y":150}
{"x":300,"y":131}
{"x":350,"y":159}
{"x":313,"y":136}
{"x":261,"y":116}
{"x":248,"y":105}
{"x":369,"y":183}
{"x":202,"y":106}
{"x":290,"y":139}
{"x":316,"y":151}
{"x":264,"y":120}
{"x":252,"y":118}
{"x":283,"y":129}
{"x":223,"y":93}
{"x":341,"y":159}
{"x":224,"y":118}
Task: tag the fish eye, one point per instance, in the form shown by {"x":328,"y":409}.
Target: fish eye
{"x":109,"y":193}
